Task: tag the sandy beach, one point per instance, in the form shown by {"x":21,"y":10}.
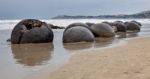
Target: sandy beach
{"x":75,"y":39}
{"x":65,"y":61}
{"x":128,"y":61}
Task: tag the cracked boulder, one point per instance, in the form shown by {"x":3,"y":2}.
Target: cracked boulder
{"x":31,"y":31}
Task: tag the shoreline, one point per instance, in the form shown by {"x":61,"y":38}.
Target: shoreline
{"x":127,"y":61}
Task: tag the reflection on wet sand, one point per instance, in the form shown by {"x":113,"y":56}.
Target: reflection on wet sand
{"x":99,"y":42}
{"x":132,"y":34}
{"x":77,"y":46}
{"x":127,"y":35}
{"x":121,"y":35}
{"x":103,"y":42}
{"x":32,"y":54}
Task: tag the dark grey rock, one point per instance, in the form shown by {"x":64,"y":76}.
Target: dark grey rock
{"x":121,"y":27}
{"x":133,"y":26}
{"x":31,"y":31}
{"x":137,"y":22}
{"x":102,"y":30}
{"x":78,"y":34}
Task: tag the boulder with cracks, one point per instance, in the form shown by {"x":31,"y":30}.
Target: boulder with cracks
{"x":31,"y":31}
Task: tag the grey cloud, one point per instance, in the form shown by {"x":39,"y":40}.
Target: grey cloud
{"x":12,"y":9}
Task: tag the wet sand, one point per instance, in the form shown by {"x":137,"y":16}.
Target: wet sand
{"x":128,"y":61}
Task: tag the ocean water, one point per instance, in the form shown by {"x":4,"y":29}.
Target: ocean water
{"x":22,"y":61}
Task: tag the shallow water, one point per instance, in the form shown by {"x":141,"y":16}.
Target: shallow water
{"x":21,"y":61}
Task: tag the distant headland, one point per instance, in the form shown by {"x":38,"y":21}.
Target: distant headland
{"x":140,"y":15}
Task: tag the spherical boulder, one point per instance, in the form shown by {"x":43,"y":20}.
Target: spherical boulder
{"x":121,"y":27}
{"x":78,"y":34}
{"x":31,"y":31}
{"x":132,"y":26}
{"x":102,"y":30}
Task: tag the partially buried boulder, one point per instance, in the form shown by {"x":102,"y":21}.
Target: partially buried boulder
{"x":77,"y":24}
{"x":137,"y":22}
{"x":31,"y":31}
{"x":78,"y":34}
{"x":102,"y":30}
{"x":119,"y":21}
{"x":106,"y":22}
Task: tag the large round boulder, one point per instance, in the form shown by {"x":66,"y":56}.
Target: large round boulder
{"x":78,"y":34}
{"x":133,"y":26}
{"x":31,"y":31}
{"x":121,"y":27}
{"x":102,"y":30}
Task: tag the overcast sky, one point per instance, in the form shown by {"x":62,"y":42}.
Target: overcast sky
{"x":44,"y":9}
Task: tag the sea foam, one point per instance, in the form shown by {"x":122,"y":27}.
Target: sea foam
{"x":9,"y":24}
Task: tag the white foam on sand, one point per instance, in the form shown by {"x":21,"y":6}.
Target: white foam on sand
{"x":8,"y":24}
